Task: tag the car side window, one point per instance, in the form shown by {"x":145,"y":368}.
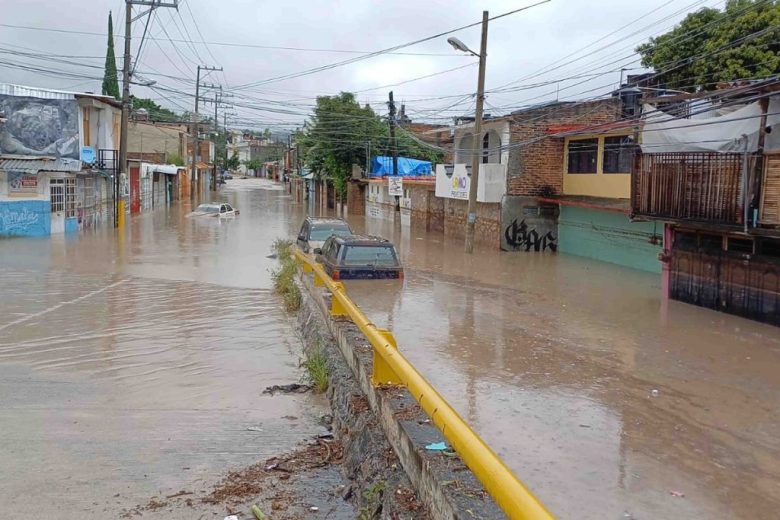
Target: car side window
{"x":229,"y":207}
{"x":222,"y":209}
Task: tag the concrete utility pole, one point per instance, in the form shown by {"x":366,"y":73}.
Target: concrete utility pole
{"x":196,"y":129}
{"x":471,"y":219}
{"x":121,"y":168}
{"x":394,"y":149}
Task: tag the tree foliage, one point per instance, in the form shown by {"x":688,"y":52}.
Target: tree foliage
{"x":233,"y":163}
{"x":254,"y":164}
{"x":709,"y":46}
{"x":176,"y":159}
{"x":156,"y":112}
{"x":110,"y":77}
{"x":338,"y":135}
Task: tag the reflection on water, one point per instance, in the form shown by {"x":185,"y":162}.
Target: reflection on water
{"x":132,"y":367}
{"x":553,"y":359}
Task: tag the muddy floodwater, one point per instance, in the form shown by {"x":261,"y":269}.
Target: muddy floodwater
{"x":133,"y":365}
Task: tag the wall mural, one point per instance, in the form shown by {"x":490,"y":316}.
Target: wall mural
{"x":45,"y":127}
{"x":30,"y":218}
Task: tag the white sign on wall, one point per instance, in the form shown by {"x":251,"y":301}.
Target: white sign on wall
{"x":395,"y":186}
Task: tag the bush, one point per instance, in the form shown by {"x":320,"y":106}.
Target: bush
{"x":283,"y":248}
{"x":284,"y":277}
{"x":292,"y":298}
{"x":317,"y":373}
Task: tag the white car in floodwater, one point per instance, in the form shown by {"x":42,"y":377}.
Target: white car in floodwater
{"x":223,"y":210}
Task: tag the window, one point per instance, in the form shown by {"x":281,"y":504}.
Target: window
{"x":583,"y":155}
{"x":486,"y":149}
{"x":323,"y":231}
{"x":57,"y":191}
{"x":222,"y":209}
{"x":63,"y":196}
{"x":370,"y":255}
{"x":618,"y":154}
{"x":740,"y":245}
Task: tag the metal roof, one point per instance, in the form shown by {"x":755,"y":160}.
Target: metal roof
{"x":33,"y":165}
{"x":8,"y":89}
{"x":22,"y":91}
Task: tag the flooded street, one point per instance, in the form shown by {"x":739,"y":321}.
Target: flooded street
{"x":603,"y":400}
{"x":134,"y":365}
{"x":134,"y":368}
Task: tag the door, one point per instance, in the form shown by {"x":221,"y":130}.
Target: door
{"x":135,"y":190}
{"x":63,"y":202}
{"x":57,"y":194}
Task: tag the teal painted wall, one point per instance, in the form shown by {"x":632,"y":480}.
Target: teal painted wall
{"x":610,"y":237}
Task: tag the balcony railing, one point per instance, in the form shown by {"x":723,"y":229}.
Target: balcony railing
{"x":692,"y":186}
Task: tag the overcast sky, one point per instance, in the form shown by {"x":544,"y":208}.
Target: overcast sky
{"x":572,"y":37}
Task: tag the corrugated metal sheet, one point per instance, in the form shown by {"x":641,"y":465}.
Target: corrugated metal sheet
{"x":22,"y":91}
{"x":44,"y":93}
{"x":35,"y":164}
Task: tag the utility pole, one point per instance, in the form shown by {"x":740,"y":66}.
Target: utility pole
{"x":471,"y":219}
{"x":121,"y":168}
{"x":196,"y":132}
{"x":394,"y":149}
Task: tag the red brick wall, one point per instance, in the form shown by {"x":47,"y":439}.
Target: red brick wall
{"x":537,"y":168}
{"x":356,"y":198}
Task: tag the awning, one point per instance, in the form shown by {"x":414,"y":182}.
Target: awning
{"x":203,"y":166}
{"x":33,"y":165}
{"x":167,"y":169}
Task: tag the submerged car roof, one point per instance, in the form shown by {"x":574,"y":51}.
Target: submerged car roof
{"x":361,"y":240}
{"x":326,"y":220}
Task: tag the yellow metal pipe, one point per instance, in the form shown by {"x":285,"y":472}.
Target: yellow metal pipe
{"x":511,"y":495}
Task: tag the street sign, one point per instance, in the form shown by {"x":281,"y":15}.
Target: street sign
{"x":88,"y":155}
{"x":395,"y":186}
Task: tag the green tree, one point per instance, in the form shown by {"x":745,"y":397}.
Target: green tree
{"x":176,"y":159}
{"x":337,"y":136}
{"x":156,"y":112}
{"x":254,"y":164}
{"x":233,"y":163}
{"x":709,"y":46}
{"x":110,"y":78}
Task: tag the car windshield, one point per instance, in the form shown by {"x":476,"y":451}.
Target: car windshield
{"x":378,"y":256}
{"x":323,"y":231}
{"x":207,"y":208}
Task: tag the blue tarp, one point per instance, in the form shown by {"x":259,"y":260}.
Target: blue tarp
{"x":383,"y":165}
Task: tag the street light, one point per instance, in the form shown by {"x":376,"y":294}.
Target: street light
{"x":471,"y":218}
{"x":460,"y":46}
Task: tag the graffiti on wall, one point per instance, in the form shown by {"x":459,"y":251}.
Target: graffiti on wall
{"x":36,"y":126}
{"x":518,"y":236}
{"x":31,"y":218}
{"x":527,"y":225}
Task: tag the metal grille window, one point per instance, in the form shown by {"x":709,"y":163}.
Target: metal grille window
{"x":89,"y":193}
{"x":57,"y":193}
{"x":70,"y":197}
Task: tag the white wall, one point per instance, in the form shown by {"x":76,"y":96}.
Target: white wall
{"x":492,"y":182}
{"x":498,"y":133}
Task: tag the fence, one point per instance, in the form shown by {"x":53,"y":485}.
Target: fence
{"x":697,"y":186}
{"x":511,"y":495}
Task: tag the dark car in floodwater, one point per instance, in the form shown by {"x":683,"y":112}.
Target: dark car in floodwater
{"x":315,"y":230}
{"x":359,"y":257}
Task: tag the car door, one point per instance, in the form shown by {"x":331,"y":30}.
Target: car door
{"x":230,"y":211}
{"x":222,"y":211}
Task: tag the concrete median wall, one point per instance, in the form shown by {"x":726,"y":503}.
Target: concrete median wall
{"x":442,"y":482}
